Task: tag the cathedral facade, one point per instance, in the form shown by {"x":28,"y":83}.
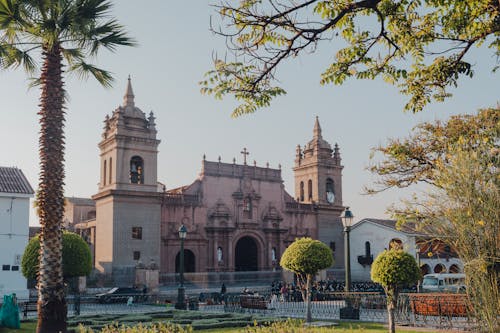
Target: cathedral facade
{"x":239,"y":217}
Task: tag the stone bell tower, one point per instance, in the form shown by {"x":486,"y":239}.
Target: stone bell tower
{"x":318,"y":172}
{"x":128,"y":201}
{"x":318,"y":181}
{"x":129,"y":148}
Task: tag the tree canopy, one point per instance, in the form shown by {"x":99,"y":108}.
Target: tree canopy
{"x":408,"y":161}
{"x":421,"y":46}
{"x":395,"y":269}
{"x":78,"y":28}
{"x":76,"y":256}
{"x":306,"y":256}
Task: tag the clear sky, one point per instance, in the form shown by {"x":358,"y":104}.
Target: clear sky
{"x":175,"y":50}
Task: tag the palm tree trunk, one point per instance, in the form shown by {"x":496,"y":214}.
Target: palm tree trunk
{"x":52,"y":309}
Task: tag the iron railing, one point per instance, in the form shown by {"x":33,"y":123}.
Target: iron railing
{"x":370,"y":307}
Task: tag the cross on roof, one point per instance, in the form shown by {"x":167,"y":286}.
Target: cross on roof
{"x":245,"y":153}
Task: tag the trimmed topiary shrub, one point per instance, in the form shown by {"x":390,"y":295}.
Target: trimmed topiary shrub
{"x":394,"y":270}
{"x":306,"y":257}
{"x":77,"y":260}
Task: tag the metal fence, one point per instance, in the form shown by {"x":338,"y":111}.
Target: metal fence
{"x":90,"y":304}
{"x":369,"y":307}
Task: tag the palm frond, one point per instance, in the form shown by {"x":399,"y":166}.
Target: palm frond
{"x":34,"y":82}
{"x":80,"y":27}
{"x":112,"y":41}
{"x":83,"y":70}
{"x":92,"y":9}
{"x":15,"y":15}
{"x":13,"y":57}
{"x":72,"y":55}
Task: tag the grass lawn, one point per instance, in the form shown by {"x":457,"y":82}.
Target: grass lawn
{"x":26,"y":327}
{"x":29,"y":327}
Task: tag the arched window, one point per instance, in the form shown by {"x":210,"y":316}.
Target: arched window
{"x":309,"y":190}
{"x":425,"y":269}
{"x":136,"y":170}
{"x":104,"y":173}
{"x":454,"y":269}
{"x":439,"y":268}
{"x":330,"y":192}
{"x":367,"y":249}
{"x":396,"y":244}
{"x":110,"y":170}
{"x":301,"y":191}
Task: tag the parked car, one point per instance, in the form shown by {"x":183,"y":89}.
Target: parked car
{"x":121,"y":295}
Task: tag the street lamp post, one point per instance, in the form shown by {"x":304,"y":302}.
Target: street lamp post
{"x":348,"y":312}
{"x":417,"y":254}
{"x":347,"y":221}
{"x":181,"y":303}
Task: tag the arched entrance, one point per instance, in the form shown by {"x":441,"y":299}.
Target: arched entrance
{"x":189,"y":261}
{"x":246,"y":255}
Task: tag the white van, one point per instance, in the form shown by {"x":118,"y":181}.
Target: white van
{"x":451,"y":282}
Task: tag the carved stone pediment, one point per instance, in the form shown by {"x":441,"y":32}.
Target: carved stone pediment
{"x":271,"y":214}
{"x":219,"y":211}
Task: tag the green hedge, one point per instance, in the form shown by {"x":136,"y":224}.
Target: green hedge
{"x":175,"y":320}
{"x":223,"y":324}
{"x":136,"y":317}
{"x":162,"y":315}
{"x":77,"y":260}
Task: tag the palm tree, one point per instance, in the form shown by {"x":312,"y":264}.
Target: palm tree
{"x":63,"y":34}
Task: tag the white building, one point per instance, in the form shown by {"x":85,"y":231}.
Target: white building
{"x":369,"y":237}
{"x":15,"y":194}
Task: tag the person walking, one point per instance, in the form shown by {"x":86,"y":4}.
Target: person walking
{"x":223,"y":293}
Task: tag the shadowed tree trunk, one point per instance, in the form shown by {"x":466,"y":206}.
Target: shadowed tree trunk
{"x":52,"y":308}
{"x":392,"y":299}
{"x":308,"y":298}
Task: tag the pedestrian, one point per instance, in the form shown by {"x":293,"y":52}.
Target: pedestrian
{"x":284,"y":293}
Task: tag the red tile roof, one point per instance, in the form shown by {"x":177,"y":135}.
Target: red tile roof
{"x":12,"y":180}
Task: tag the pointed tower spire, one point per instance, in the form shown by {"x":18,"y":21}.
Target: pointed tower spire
{"x":128,"y":99}
{"x":336,"y":155}
{"x":317,"y":130}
